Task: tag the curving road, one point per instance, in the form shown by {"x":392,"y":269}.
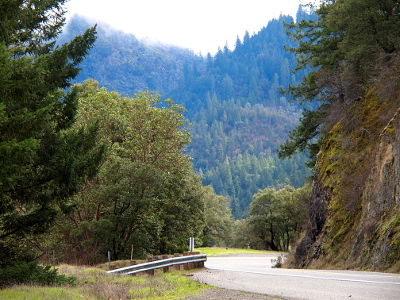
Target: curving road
{"x":254,"y":274}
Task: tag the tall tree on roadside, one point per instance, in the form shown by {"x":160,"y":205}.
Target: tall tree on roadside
{"x":43,"y":160}
{"x":342,"y":48}
{"x":146,"y":194}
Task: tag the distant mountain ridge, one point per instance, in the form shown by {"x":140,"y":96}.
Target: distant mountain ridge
{"x":239,"y":118}
{"x":121,"y":62}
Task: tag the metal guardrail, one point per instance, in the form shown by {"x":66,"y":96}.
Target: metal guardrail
{"x":163,"y":263}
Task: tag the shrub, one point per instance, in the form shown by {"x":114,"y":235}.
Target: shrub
{"x":33,"y":273}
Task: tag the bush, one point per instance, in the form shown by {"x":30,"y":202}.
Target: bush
{"x":277,"y":263}
{"x":32,"y":273}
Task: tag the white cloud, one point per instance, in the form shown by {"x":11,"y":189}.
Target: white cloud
{"x":199,"y":25}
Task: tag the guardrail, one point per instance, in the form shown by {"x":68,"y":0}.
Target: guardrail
{"x":188,"y":261}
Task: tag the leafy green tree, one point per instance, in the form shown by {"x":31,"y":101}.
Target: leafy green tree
{"x":218,"y":222}
{"x":146,"y":194}
{"x":44,"y":160}
{"x":243,"y":234}
{"x":277,"y":217}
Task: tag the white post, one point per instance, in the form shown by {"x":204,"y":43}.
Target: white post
{"x":191,"y":244}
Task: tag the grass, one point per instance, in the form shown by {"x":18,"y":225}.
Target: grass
{"x":39,"y":293}
{"x":95,"y":283}
{"x":215,"y":251}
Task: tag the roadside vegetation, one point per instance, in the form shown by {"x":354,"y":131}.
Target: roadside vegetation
{"x":95,"y":283}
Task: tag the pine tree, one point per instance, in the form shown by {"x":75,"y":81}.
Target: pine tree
{"x":343,"y":47}
{"x":43,"y":160}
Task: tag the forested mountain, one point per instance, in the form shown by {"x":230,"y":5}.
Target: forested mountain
{"x":119,"y":61}
{"x":232,"y":99}
{"x":234,"y":150}
{"x":251,"y":73}
{"x":240,"y":118}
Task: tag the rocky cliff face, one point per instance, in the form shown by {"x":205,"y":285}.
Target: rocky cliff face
{"x":377,"y":242}
{"x":355,"y":210}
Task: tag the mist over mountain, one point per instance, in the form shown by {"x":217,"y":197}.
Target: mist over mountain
{"x":121,"y":62}
{"x":232,"y":99}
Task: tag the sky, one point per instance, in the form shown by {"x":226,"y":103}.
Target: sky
{"x":201,"y":26}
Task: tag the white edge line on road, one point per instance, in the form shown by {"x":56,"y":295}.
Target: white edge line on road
{"x":312,"y":277}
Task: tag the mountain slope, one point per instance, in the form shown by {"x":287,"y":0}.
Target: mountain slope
{"x":238,"y":116}
{"x":121,"y":62}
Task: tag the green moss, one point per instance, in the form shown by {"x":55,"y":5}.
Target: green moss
{"x":345,"y":255}
{"x":394,"y":255}
{"x":343,"y":165}
{"x":392,"y":224}
{"x":390,"y":130}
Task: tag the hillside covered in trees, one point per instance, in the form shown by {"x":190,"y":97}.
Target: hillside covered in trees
{"x":232,"y":99}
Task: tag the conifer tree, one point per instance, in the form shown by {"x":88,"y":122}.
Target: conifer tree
{"x":343,"y":48}
{"x":43,"y":160}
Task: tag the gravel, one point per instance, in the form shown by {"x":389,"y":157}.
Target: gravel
{"x":225,"y":294}
{"x":221,"y":294}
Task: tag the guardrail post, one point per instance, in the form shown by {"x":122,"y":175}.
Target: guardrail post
{"x":150,"y":272}
{"x":198,"y":264}
{"x":178,"y":266}
{"x":186,"y":266}
{"x":132,"y":263}
{"x":165,"y":269}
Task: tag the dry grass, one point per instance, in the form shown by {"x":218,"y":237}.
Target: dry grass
{"x":95,"y":283}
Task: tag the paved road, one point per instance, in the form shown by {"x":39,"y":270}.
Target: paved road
{"x":254,"y":274}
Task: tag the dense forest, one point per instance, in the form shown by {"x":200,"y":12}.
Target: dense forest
{"x":232,"y":99}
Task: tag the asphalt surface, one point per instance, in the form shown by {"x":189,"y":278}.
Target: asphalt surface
{"x":254,"y":275}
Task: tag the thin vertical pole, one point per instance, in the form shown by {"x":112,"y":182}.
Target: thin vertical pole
{"x":191,"y":244}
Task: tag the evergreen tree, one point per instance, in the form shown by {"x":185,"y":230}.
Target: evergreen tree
{"x":342,"y":47}
{"x":43,"y":160}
